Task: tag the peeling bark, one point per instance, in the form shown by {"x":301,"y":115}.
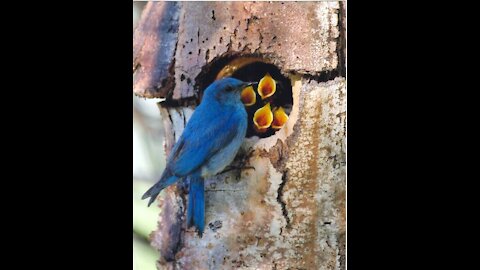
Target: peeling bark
{"x":301,"y":38}
{"x":154,"y":45}
{"x":289,"y":212}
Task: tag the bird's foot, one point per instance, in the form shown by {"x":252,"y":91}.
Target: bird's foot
{"x":232,"y":168}
{"x":239,"y":164}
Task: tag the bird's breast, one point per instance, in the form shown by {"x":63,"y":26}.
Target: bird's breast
{"x":225,"y":156}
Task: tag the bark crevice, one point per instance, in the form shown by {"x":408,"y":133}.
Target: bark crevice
{"x":281,"y":201}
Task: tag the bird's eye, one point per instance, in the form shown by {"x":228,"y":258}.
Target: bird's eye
{"x":229,"y":89}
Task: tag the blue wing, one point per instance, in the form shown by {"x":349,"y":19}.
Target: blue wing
{"x":206,"y":133}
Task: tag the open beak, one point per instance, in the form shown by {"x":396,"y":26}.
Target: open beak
{"x":263,"y":118}
{"x":267,"y":86}
{"x":248,"y":96}
{"x":279,"y":118}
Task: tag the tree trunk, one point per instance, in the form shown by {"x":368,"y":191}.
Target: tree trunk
{"x":289,"y":211}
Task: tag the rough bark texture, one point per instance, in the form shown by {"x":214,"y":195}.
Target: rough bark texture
{"x":154,"y":44}
{"x":300,"y":37}
{"x":290,"y":211}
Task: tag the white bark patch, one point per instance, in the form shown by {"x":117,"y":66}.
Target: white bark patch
{"x":253,"y":232}
{"x":250,"y":216}
{"x":179,"y":116}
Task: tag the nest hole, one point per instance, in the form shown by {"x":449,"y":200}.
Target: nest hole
{"x":250,"y":68}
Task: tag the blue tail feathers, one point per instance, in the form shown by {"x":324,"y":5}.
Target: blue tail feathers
{"x":196,"y":204}
{"x":159,"y":186}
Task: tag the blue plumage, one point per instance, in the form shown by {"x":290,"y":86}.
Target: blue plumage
{"x":196,"y":204}
{"x":208,"y":144}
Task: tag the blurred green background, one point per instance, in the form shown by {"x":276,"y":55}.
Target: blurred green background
{"x":148,"y":164}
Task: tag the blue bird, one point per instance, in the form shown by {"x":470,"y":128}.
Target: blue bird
{"x":207,"y":145}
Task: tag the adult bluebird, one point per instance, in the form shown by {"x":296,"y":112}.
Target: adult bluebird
{"x":208,"y":144}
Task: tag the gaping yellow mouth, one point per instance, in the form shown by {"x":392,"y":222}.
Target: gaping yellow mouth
{"x":248,"y":96}
{"x":279,"y":118}
{"x":266,"y":86}
{"x":262,"y":119}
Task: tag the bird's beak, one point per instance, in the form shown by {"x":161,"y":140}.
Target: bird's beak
{"x":279,"y":118}
{"x":247,"y":84}
{"x":248,"y":96}
{"x":263,"y":118}
{"x":267,"y":86}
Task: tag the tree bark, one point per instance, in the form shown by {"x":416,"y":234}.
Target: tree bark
{"x":289,"y":212}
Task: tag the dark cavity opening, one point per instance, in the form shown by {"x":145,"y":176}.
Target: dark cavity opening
{"x":253,"y":71}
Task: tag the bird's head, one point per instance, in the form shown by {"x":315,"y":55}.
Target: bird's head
{"x":226,"y":90}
